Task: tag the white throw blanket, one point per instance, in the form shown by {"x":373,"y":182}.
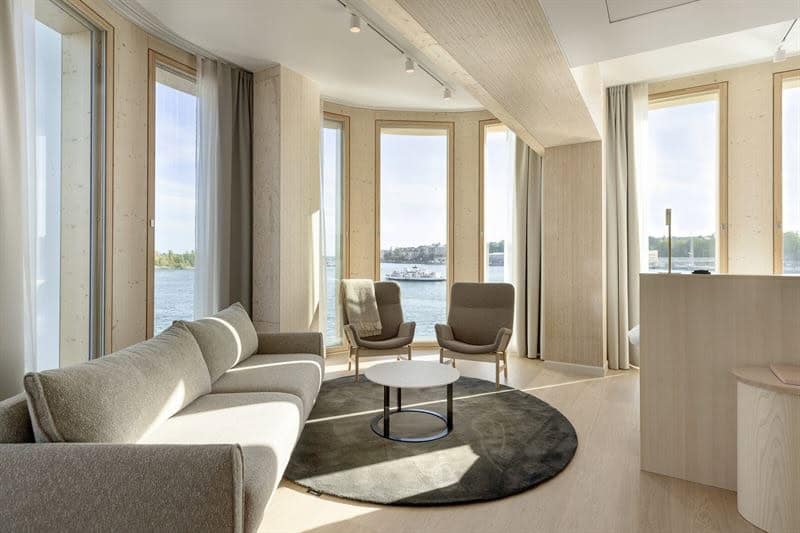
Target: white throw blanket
{"x":361,"y":306}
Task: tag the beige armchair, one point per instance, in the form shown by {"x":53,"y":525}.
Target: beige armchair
{"x":396,"y":335}
{"x":478,"y":325}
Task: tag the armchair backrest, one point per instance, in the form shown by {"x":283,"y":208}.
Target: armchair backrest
{"x":479,"y":310}
{"x":387,"y":296}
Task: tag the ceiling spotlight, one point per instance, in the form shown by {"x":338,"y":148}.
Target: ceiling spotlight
{"x":780,"y":54}
{"x":448,"y":94}
{"x":409,"y":65}
{"x":355,"y":23}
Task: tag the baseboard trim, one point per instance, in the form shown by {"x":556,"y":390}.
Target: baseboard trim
{"x":586,"y":370}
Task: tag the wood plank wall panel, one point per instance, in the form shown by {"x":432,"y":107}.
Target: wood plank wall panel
{"x":695,"y":329}
{"x":286,"y":201}
{"x":505,"y":54}
{"x":301,"y":120}
{"x":266,"y":199}
{"x":572,"y":255}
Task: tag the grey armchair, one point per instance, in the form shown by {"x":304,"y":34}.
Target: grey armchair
{"x":478,"y":325}
{"x":396,"y":335}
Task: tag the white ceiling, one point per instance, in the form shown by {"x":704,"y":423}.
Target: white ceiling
{"x":591,"y":31}
{"x":725,"y":51}
{"x":312,"y":38}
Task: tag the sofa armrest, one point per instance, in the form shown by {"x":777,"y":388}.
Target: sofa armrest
{"x":121,"y":487}
{"x":291,"y":343}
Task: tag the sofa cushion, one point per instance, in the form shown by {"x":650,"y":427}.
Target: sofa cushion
{"x":265,"y":425}
{"x":117,"y":398}
{"x":226,"y":338}
{"x":15,"y":421}
{"x":297,"y":374}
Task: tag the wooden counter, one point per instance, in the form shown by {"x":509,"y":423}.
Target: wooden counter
{"x":694,"y":330}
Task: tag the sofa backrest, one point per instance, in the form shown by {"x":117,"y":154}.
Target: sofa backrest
{"x":15,"y":422}
{"x":119,"y":397}
{"x":226,"y":339}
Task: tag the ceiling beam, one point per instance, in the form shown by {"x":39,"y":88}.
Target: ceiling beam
{"x":504,"y":53}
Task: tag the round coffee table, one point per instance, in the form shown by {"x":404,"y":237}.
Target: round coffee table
{"x":412,"y":375}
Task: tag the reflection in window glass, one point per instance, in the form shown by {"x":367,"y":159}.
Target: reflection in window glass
{"x":175,"y":181}
{"x":498,"y":198}
{"x":413,"y":221}
{"x":683,"y":175}
{"x":790,"y":173}
{"x":333,"y":199}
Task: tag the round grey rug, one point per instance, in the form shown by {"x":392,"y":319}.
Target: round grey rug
{"x":503,"y":442}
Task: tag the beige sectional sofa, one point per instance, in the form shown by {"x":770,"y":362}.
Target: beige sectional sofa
{"x":188,"y":431}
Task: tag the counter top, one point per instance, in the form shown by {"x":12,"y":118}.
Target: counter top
{"x":762,"y":376}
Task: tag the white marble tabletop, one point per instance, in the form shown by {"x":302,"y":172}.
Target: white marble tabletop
{"x":412,"y":374}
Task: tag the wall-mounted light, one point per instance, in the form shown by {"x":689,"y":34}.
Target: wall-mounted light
{"x":780,"y":53}
{"x":447,"y":94}
{"x":355,"y":23}
{"x":409,"y":65}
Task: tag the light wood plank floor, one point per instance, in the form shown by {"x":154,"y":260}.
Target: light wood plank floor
{"x":602,"y":490}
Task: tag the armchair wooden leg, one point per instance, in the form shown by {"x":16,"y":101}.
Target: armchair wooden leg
{"x":441,"y":355}
{"x":409,"y":352}
{"x":505,"y":366}
{"x":497,"y":373}
{"x":356,"y":367}
{"x":349,"y":361}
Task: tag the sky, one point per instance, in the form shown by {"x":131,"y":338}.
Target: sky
{"x":791,"y":159}
{"x":682,"y":172}
{"x":176,"y":135}
{"x":413,"y":189}
{"x":331,"y":182}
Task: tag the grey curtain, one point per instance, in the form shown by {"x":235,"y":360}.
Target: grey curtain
{"x":527,"y":250}
{"x":224,"y":187}
{"x":627,"y":112}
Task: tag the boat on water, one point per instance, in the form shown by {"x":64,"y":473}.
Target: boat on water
{"x":415,"y":273}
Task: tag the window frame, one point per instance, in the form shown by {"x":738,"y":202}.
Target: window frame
{"x":344,"y":120}
{"x":448,"y":126}
{"x":721,"y":90}
{"x":102,"y":162}
{"x":777,"y":166}
{"x":154,"y":60}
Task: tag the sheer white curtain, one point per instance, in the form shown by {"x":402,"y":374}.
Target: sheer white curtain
{"x":625,"y":148}
{"x":17,"y":195}
{"x":223,"y":255}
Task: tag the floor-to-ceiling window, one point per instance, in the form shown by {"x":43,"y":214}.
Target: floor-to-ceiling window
{"x":787,"y":172}
{"x":335,"y":132}
{"x":685,"y":173}
{"x":173,"y":133}
{"x":497,"y":192}
{"x":70,"y":193}
{"x":413,"y":225}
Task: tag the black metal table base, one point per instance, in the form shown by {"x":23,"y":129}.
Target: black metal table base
{"x":385,"y":430}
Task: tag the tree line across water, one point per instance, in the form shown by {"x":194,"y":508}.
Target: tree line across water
{"x":170,"y":259}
